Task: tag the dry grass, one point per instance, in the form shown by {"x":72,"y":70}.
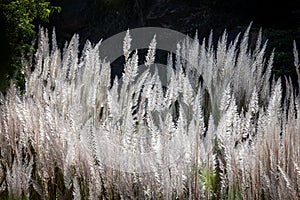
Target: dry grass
{"x":74,"y":136}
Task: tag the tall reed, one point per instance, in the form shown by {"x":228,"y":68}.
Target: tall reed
{"x":73,"y":135}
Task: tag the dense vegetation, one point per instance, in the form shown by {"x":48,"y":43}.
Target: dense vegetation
{"x":18,"y":20}
{"x":221,"y":126}
{"x":280,"y":22}
{"x":219,"y":129}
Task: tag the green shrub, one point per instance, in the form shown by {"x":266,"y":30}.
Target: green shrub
{"x":20,"y":19}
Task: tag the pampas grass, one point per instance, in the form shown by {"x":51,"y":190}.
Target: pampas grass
{"x":73,"y":135}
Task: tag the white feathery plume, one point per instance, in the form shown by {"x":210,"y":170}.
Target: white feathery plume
{"x":76,"y":190}
{"x":55,"y":65}
{"x":188,"y":91}
{"x":285,"y":178}
{"x":104,"y":77}
{"x":131,"y":69}
{"x":296,"y":62}
{"x":258,"y":42}
{"x":170,"y":70}
{"x":258,"y":64}
{"x":221,"y":54}
{"x":209,"y":140}
{"x":156,"y":95}
{"x":193,"y":53}
{"x":54,"y":43}
{"x":210,"y":41}
{"x":172,"y":91}
{"x":253,"y":105}
{"x":265,"y":83}
{"x":112,"y":99}
{"x":182,"y":123}
{"x":127,"y":45}
{"x":226,"y":98}
{"x":184,"y":53}
{"x":151,"y":52}
{"x":19,"y":176}
{"x":202,"y":59}
{"x":178,"y":64}
{"x":180,"y":76}
{"x":244,"y":42}
{"x":274,"y":106}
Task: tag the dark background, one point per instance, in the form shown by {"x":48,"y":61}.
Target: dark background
{"x":112,"y":16}
{"x":96,"y":19}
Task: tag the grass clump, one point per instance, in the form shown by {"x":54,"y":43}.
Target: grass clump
{"x":74,"y":135}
